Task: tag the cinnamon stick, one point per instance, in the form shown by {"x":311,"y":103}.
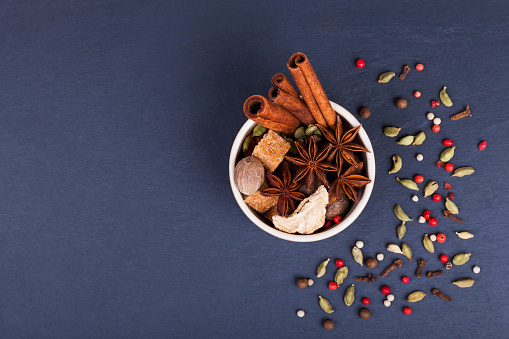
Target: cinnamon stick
{"x":280,"y":81}
{"x":311,"y":90}
{"x":294,"y":104}
{"x":270,"y":115}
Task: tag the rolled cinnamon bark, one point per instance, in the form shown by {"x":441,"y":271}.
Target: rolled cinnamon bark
{"x":311,"y":90}
{"x":270,"y":115}
{"x":295,"y":105}
{"x":280,"y":81}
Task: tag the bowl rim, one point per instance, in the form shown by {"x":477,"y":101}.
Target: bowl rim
{"x":333,"y":230}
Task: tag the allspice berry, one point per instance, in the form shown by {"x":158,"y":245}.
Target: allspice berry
{"x":302,"y":283}
{"x":364,"y":313}
{"x":371,"y":262}
{"x":401,"y":103}
{"x":328,"y":324}
{"x":364,"y":112}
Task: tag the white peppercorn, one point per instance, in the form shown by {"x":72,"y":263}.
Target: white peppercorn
{"x":390,"y":297}
{"x":359,"y":244}
{"x":419,"y":157}
{"x":301,"y":313}
{"x":430,"y":116}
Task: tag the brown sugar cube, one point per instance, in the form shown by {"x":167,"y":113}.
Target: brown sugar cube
{"x":259,"y":202}
{"x":271,"y":212}
{"x":271,"y":150}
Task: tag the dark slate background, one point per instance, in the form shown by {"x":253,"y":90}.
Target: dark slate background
{"x":116,"y":122}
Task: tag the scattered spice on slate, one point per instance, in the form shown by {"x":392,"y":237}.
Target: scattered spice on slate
{"x":441,"y":294}
{"x":397,"y":263}
{"x":452,"y":216}
{"x":371,"y":262}
{"x":401,"y":103}
{"x":404,"y":73}
{"x":364,"y":313}
{"x":420,"y":265}
{"x":462,"y":114}
{"x":371,"y":278}
{"x":364,"y":112}
{"x":434,"y":274}
{"x":302,"y":283}
{"x":328,"y":324}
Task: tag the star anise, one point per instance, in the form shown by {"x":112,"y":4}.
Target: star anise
{"x":286,"y":190}
{"x":342,"y":145}
{"x":347,"y":183}
{"x":312,"y":163}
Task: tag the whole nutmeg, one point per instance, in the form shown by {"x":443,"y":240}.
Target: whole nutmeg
{"x":401,"y":103}
{"x":302,"y":283}
{"x":364,"y":112}
{"x":249,"y":175}
{"x":365,"y":313}
{"x":371,"y":262}
{"x":328,"y":324}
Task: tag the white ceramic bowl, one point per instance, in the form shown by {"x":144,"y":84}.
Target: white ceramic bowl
{"x":355,"y":209}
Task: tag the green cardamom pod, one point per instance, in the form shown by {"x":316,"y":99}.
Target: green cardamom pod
{"x":357,"y":255}
{"x":394,"y":249}
{"x":341,"y":275}
{"x":349,"y":295}
{"x":398,"y":211}
{"x":460,"y":259}
{"x":299,"y":133}
{"x":428,"y":244}
{"x":415,"y":296}
{"x":258,"y":130}
{"x":386,"y":77}
{"x":445,"y":97}
{"x":464,"y":283}
{"x":396,"y":164}
{"x":462,"y":171}
{"x":304,"y":140}
{"x":419,"y":139}
{"x":406,"y":140}
{"x":407,"y":251}
{"x":401,"y":231}
{"x":464,"y":235}
{"x":430,"y":188}
{"x":408,"y":184}
{"x":318,"y":133}
{"x":310,"y":130}
{"x":447,"y":154}
{"x":293,"y":148}
{"x":451,"y":207}
{"x":391,"y":131}
{"x":322,"y":268}
{"x":325,"y":305}
{"x":247,"y":142}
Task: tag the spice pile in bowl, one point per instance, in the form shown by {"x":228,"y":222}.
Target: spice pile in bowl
{"x":301,"y":166}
